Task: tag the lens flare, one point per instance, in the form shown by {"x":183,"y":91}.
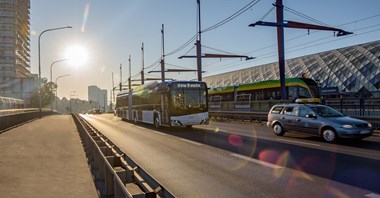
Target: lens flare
{"x":85,"y":17}
{"x":275,"y":157}
{"x":235,"y":140}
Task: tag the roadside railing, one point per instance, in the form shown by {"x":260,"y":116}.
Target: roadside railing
{"x":121,"y":176}
{"x":14,"y":117}
{"x":366,"y":109}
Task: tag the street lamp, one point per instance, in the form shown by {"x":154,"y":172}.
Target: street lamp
{"x":51,"y":68}
{"x":51,"y":78}
{"x":39,"y":63}
{"x":56,"y":91}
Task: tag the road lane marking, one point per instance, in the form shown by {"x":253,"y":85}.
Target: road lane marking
{"x":298,"y":142}
{"x":191,"y":142}
{"x":373,"y":195}
{"x":274,"y":166}
{"x":159,"y":133}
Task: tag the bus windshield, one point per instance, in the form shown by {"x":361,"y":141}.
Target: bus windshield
{"x":185,"y":101}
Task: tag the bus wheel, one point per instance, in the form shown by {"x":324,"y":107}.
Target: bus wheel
{"x":157,"y":122}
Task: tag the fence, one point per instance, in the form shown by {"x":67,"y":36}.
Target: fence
{"x":121,"y":176}
{"x":366,"y":109}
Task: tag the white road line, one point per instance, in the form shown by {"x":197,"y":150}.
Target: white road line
{"x":274,"y":166}
{"x":373,"y":195}
{"x":191,"y":142}
{"x":298,"y":142}
{"x":159,"y":133}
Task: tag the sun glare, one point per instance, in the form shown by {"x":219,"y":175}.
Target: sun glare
{"x":77,"y":55}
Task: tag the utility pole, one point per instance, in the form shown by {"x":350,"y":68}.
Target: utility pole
{"x":280,"y":24}
{"x":112,"y":92}
{"x":280,"y":46}
{"x":120,"y":85}
{"x":130,"y":91}
{"x":198,"y":44}
{"x":130,"y":76}
{"x":163,"y":55}
{"x":142,"y":64}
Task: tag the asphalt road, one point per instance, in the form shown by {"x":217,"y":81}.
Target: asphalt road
{"x":246,"y":160}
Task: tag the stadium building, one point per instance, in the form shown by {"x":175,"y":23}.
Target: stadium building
{"x":351,"y":71}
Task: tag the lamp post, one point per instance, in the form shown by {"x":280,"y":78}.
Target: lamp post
{"x":51,"y":78}
{"x":56,"y":91}
{"x":51,"y":68}
{"x":39,"y":63}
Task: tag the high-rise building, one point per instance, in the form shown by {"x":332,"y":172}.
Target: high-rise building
{"x":98,"y":96}
{"x":15,"y":78}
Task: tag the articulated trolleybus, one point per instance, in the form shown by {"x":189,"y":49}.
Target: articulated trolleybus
{"x":173,"y":103}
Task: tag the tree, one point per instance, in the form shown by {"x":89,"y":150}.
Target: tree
{"x":47,"y":94}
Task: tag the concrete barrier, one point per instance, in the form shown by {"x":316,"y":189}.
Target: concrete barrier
{"x":9,"y":120}
{"x":120,"y":175}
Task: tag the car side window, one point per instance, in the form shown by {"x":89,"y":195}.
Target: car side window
{"x":277,"y":110}
{"x":303,"y":112}
{"x":289,"y":111}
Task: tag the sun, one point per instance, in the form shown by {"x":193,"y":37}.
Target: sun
{"x":77,"y":55}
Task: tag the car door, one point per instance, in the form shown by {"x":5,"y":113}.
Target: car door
{"x":288,"y":118}
{"x":304,"y":122}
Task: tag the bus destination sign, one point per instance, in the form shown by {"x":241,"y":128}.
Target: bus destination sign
{"x":189,"y":85}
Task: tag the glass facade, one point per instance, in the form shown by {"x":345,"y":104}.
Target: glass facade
{"x":15,"y":39}
{"x":353,"y":70}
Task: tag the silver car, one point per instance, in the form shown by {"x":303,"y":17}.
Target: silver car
{"x":319,"y":120}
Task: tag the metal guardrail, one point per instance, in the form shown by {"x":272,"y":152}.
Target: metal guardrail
{"x":121,"y":175}
{"x":365,"y":109}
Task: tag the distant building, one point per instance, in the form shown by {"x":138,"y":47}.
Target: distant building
{"x":15,"y":78}
{"x":353,"y":71}
{"x":97,"y":95}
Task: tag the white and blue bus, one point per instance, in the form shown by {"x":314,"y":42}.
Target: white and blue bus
{"x":173,"y":103}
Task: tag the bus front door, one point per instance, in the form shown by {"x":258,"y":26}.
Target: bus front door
{"x":165,"y":110}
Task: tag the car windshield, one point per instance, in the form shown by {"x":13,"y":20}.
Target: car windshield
{"x":326,"y":111}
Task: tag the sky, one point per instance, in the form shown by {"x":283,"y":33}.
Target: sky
{"x":111,"y":31}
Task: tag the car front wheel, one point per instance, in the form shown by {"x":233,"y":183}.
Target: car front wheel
{"x":278,"y":129}
{"x":329,"y":135}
